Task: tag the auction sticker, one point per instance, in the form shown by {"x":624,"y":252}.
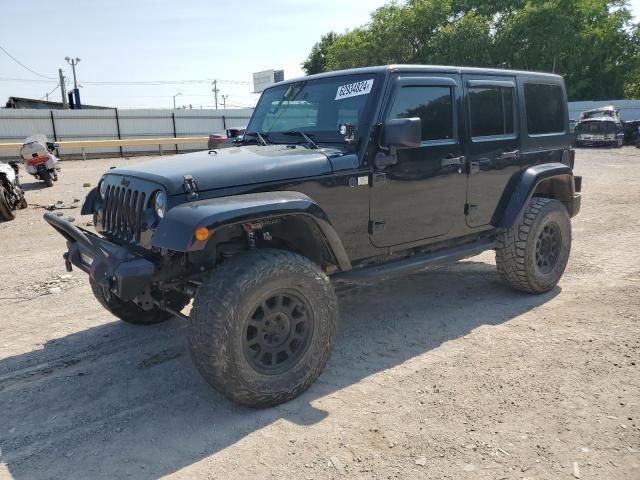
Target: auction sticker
{"x":354,"y":89}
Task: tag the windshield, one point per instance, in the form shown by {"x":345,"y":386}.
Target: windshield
{"x":319,"y":108}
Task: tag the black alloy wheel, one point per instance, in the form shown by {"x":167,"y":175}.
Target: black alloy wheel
{"x":278,"y":331}
{"x":548,"y":246}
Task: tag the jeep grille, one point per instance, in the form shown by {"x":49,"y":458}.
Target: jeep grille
{"x":123,"y":212}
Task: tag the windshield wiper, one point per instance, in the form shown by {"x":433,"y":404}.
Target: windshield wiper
{"x":310,"y":142}
{"x":257,"y":134}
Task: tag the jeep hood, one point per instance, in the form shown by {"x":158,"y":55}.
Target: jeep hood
{"x":229,"y":167}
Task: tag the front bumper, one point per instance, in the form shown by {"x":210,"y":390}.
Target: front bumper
{"x":124,"y":273}
{"x":596,"y":143}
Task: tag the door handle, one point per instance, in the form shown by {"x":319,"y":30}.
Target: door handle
{"x":507,"y":155}
{"x":451,"y":161}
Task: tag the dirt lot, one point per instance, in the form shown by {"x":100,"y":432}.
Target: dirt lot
{"x":446,"y":374}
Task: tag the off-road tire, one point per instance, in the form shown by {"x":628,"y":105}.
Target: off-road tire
{"x":222,"y":314}
{"x":132,"y":313}
{"x":6,"y":212}
{"x":23,"y":203}
{"x":516,"y":256}
{"x":48,"y":182}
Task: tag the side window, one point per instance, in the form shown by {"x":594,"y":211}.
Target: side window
{"x":434,"y":106}
{"x":491,"y":111}
{"x":545,"y":108}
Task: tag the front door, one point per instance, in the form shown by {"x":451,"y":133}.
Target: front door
{"x":493,"y":143}
{"x":422,"y":196}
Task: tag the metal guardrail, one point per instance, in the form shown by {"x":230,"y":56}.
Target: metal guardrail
{"x":124,"y":142}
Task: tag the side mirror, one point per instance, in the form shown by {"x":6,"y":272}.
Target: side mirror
{"x":402,"y":133}
{"x":398,"y":134}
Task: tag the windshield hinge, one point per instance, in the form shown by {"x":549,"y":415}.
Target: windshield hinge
{"x":190,"y":188}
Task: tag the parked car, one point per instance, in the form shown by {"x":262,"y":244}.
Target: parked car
{"x":225,"y":140}
{"x":342,"y":177}
{"x":600,"y":127}
{"x":632,"y":132}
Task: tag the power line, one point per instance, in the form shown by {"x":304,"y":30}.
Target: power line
{"x":166,"y":82}
{"x":31,"y":80}
{"x":46,"y":95}
{"x":133,"y":83}
{"x":23,"y":65}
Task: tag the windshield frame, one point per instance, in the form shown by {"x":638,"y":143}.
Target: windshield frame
{"x":285,"y":136}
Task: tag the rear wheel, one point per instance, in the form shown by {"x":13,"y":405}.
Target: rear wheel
{"x":531,"y":256}
{"x":6,"y":212}
{"x":263,"y":326}
{"x":132,"y":313}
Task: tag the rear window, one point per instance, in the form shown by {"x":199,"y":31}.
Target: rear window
{"x":491,"y":111}
{"x":545,"y":108}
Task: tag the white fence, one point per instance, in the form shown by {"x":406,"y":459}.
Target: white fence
{"x":58,"y":125}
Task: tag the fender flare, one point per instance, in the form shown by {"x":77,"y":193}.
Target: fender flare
{"x":88,"y":206}
{"x":526,"y":186}
{"x":177,"y":229}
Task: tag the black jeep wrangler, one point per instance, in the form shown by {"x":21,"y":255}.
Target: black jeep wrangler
{"x":344,"y":177}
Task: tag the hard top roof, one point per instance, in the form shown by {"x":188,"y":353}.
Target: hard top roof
{"x":422,"y":69}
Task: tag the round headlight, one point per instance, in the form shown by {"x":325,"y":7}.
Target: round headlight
{"x":160,"y":203}
{"x":103,"y":189}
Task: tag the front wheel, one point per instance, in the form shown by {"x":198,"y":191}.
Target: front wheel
{"x":531,"y":256}
{"x":263,"y":326}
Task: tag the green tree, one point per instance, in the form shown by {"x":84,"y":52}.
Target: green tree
{"x":593,"y":43}
{"x":316,"y":62}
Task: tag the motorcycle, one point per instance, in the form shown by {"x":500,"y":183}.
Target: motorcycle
{"x":40,"y":161}
{"x":11,"y":194}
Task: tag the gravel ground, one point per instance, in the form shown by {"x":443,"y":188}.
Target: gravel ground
{"x":444,"y":374}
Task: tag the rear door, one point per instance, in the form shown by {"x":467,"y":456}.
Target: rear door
{"x":493,"y":143}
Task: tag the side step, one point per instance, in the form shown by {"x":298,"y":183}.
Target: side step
{"x":412,"y":264}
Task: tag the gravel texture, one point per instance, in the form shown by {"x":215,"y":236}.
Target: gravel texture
{"x":444,"y":374}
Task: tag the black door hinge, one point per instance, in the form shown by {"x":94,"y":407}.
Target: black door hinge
{"x":190,"y":188}
{"x":376,"y":226}
{"x":468,"y":207}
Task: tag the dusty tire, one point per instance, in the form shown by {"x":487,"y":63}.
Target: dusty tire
{"x":6,"y":211}
{"x":532,"y":255}
{"x":132,"y":313}
{"x":23,"y":203}
{"x":232,"y":309}
{"x":48,"y":182}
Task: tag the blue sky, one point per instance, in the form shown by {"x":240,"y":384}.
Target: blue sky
{"x":139,"y":40}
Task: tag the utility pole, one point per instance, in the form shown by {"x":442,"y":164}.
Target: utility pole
{"x":73,"y":62}
{"x":215,"y":91}
{"x":224,"y":101}
{"x":65,"y":105}
{"x":174,"y":99}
